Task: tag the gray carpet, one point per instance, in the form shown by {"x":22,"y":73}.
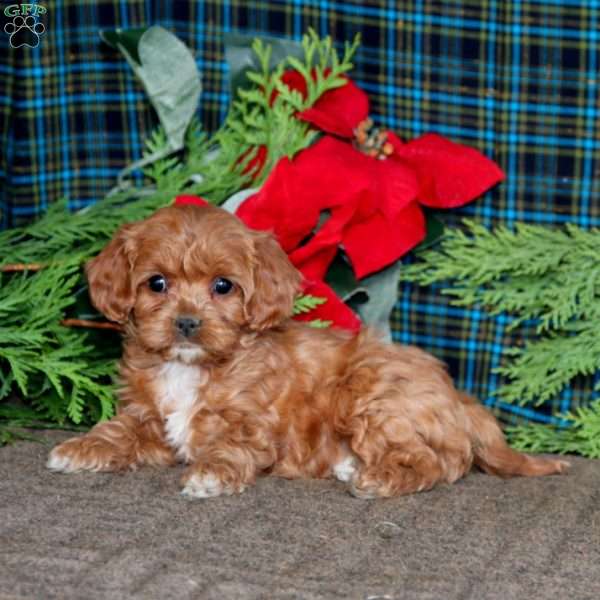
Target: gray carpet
{"x":94,"y":536}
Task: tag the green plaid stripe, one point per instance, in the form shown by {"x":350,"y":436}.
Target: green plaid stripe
{"x":517,"y":79}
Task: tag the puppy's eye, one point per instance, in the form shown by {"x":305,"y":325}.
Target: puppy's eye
{"x":222,"y":286}
{"x":157,"y":283}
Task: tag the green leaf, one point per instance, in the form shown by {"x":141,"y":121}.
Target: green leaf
{"x":129,"y":39}
{"x":435,"y":231}
{"x":372,"y":298}
{"x":168,"y":72}
{"x":340,"y":277}
{"x":381,"y":289}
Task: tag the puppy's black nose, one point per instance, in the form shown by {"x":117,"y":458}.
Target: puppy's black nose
{"x":187,"y":326}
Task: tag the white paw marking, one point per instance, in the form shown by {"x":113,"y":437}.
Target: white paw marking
{"x":345,"y":469}
{"x":62,"y":463}
{"x":205,"y":486}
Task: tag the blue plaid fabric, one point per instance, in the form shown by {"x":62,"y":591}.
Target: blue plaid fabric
{"x":517,"y":79}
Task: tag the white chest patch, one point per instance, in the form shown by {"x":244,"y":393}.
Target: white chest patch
{"x":178,"y":394}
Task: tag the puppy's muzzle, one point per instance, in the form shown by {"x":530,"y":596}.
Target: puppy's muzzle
{"x":187,"y":326}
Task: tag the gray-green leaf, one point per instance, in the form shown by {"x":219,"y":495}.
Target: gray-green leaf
{"x":168,"y":72}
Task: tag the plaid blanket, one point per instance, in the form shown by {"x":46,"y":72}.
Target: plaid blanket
{"x":517,"y":79}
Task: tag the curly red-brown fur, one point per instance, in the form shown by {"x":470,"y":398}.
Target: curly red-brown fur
{"x":250,"y":391}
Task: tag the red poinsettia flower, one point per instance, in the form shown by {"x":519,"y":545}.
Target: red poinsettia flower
{"x":372,"y":188}
{"x":358,"y":191}
{"x":449,"y":174}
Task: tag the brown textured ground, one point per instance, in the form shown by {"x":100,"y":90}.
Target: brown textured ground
{"x":94,"y":536}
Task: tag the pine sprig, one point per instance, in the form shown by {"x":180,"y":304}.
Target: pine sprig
{"x":580,"y":436}
{"x":304,"y":303}
{"x":543,"y":368}
{"x":319,"y":324}
{"x":533,"y":272}
{"x":60,"y":370}
{"x":63,"y":237}
{"x":265,"y":115}
{"x":322,"y":69}
{"x":480,"y":255}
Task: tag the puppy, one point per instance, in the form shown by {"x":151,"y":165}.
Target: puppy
{"x":215,"y":374}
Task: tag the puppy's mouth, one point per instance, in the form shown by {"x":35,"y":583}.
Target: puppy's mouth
{"x":186,"y":352}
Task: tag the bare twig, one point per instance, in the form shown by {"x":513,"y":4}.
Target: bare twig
{"x":91,"y":324}
{"x":14,"y":267}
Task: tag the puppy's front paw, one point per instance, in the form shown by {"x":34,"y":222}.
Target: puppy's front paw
{"x":69,"y":457}
{"x":60,"y":461}
{"x":83,"y":454}
{"x":207,"y":485}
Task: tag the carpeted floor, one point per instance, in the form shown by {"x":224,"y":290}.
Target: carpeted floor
{"x":95,"y":536}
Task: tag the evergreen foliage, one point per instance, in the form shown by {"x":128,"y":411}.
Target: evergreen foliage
{"x":52,"y":375}
{"x":64,"y":374}
{"x":534,"y":272}
{"x":582,"y":436}
{"x":305,"y":303}
{"x":60,"y":237}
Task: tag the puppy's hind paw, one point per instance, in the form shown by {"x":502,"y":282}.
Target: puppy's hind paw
{"x":364,"y":493}
{"x":207,"y":485}
{"x":345,"y":469}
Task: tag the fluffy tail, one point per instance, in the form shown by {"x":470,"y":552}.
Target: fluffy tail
{"x":494,"y":456}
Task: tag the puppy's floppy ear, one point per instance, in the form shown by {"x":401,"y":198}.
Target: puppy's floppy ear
{"x":276,"y":284}
{"x":109,"y":275}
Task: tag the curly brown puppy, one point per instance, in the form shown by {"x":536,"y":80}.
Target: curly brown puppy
{"x":215,"y":374}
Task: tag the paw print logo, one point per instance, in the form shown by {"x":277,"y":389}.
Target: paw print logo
{"x":24,"y":31}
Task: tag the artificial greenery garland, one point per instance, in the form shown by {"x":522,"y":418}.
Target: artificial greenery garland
{"x":534,"y":272}
{"x":51,"y":374}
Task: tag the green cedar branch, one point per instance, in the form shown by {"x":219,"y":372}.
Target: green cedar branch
{"x":581,"y":436}
{"x":533,"y":272}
